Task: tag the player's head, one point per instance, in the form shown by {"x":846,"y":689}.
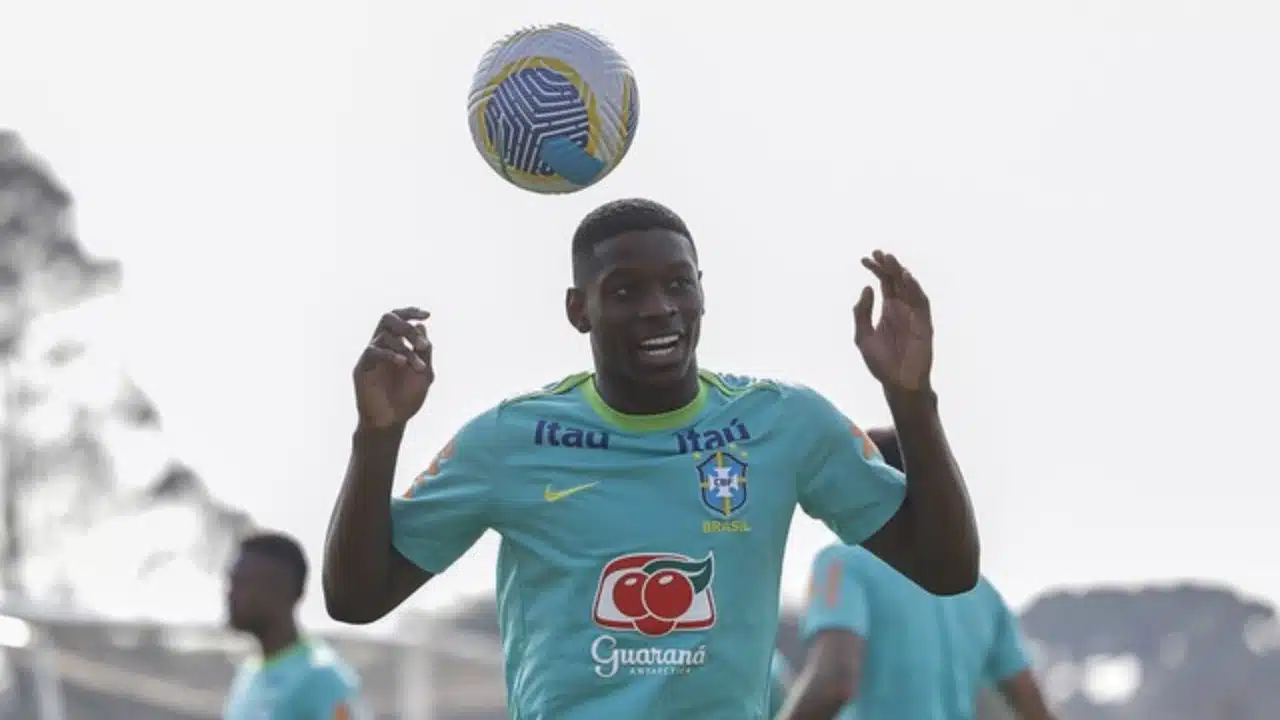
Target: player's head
{"x":266,"y":581}
{"x":636,"y":284}
{"x":886,"y":440}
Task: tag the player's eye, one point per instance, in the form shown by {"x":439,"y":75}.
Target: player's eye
{"x":682,"y":283}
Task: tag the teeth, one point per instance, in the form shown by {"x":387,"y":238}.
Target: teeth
{"x":660,"y":342}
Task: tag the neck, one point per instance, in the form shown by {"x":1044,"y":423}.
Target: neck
{"x":628,"y":399}
{"x":277,"y":638}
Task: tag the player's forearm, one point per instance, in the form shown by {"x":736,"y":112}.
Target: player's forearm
{"x":940,"y":528}
{"x":1030,"y":708}
{"x":818,"y":695}
{"x":358,"y":549}
{"x":1034,"y":713}
{"x":1022,"y":694}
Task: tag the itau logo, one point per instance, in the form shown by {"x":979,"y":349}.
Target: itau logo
{"x":655,"y":594}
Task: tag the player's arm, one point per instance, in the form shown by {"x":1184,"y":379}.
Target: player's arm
{"x":835,"y":625}
{"x":1023,"y":695}
{"x":1009,"y":670}
{"x":848,"y":484}
{"x":779,"y":683}
{"x":903,"y":540}
{"x":364,"y":577}
{"x":419,"y":535}
{"x":933,"y":538}
{"x":376,"y":556}
{"x":843,"y":481}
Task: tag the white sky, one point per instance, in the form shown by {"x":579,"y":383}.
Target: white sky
{"x":1087,"y":188}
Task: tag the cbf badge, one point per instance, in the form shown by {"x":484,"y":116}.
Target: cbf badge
{"x":723,"y":480}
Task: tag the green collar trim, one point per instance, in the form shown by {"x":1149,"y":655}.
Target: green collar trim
{"x":670,"y":420}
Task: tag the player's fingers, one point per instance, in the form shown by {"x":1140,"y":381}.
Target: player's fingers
{"x":877,"y":267}
{"x":913,"y":291}
{"x":423,"y":353}
{"x":890,"y":262}
{"x":395,"y":323}
{"x":420,"y":359}
{"x":411,"y":349}
{"x":418,"y":337}
{"x":889,"y":286}
{"x":387,"y":348}
{"x":388,"y":340}
{"x":889,"y":271}
{"x":373,"y":356}
{"x":412,"y":314}
{"x":862,"y":325}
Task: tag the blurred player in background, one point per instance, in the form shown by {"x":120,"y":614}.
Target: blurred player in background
{"x":882,"y":649}
{"x":292,"y":677}
{"x":640,"y":562}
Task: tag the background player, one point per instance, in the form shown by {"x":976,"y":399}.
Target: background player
{"x":628,"y":488}
{"x":292,"y":678}
{"x":882,"y":649}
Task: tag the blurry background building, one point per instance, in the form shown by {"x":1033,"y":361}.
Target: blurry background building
{"x":102,"y":528}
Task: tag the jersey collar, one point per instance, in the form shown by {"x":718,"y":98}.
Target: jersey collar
{"x":670,"y":420}
{"x":285,"y":653}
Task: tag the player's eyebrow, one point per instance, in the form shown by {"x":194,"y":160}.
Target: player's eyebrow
{"x":647,"y":269}
{"x":631,"y":273}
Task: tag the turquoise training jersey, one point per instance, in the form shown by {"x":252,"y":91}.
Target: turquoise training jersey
{"x":640,"y":559}
{"x":927,"y":657}
{"x":305,"y":682}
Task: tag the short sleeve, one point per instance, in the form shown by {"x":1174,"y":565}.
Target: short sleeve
{"x":450,"y":504}
{"x":331,"y":694}
{"x":845,"y":482}
{"x":837,"y":599}
{"x":1007,"y":656}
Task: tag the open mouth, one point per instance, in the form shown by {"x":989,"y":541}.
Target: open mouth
{"x":661,"y":346}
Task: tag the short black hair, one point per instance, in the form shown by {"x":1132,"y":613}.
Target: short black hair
{"x":281,"y":547}
{"x":617,"y":217}
{"x":886,"y":440}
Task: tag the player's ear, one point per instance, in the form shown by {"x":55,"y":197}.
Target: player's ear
{"x":575,"y":308}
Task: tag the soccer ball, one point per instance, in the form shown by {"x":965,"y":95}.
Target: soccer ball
{"x":553,"y":109}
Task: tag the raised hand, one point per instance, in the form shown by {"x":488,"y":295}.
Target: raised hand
{"x":394,"y":371}
{"x":899,"y":349}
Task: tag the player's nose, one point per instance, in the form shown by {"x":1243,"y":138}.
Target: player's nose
{"x":656,"y":304}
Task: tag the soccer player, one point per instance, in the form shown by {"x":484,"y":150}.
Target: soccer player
{"x":880,"y":648}
{"x":293,"y":678}
{"x":643,"y":507}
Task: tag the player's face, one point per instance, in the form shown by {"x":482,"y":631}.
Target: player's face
{"x":644,"y":307}
{"x":257,"y":592}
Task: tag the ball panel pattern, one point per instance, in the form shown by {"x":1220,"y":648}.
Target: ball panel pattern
{"x":553,"y":109}
{"x":530,"y":105}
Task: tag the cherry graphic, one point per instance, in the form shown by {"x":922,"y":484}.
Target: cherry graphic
{"x":628,"y":594}
{"x":667,"y":594}
{"x":653,"y":626}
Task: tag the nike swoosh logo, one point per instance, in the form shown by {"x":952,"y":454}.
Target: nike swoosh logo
{"x":556,"y":495}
